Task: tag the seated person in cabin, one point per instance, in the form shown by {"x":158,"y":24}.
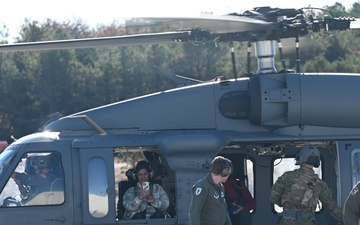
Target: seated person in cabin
{"x":239,"y":201}
{"x":145,"y":199}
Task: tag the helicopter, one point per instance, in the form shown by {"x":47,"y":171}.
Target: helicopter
{"x":258,"y":121}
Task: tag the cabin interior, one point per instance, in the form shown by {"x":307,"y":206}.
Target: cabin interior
{"x":260,"y":165}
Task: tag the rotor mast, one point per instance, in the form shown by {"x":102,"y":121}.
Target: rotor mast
{"x":265,"y":54}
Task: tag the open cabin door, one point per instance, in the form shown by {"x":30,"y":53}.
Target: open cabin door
{"x":349,"y":167}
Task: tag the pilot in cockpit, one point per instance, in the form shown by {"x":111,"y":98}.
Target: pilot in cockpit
{"x":38,"y":176}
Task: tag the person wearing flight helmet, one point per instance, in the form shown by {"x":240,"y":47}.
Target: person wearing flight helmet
{"x":37,"y":178}
{"x":208,"y":204}
{"x":299,"y":191}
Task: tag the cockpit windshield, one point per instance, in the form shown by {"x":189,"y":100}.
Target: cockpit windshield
{"x":6,"y":157}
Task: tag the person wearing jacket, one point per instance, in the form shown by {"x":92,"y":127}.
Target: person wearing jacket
{"x":208,"y":205}
{"x":142,"y":203}
{"x":239,"y":201}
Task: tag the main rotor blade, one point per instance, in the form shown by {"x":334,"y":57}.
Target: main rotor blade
{"x":355,"y":24}
{"x":211,"y":23}
{"x":128,"y":40}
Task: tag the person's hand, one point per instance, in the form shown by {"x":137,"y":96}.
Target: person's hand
{"x":150,"y":199}
{"x":143,"y":193}
{"x":238,"y":210}
{"x":17,"y":181}
{"x":13,"y":175}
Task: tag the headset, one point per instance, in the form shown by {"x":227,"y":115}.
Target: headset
{"x":226,"y":170}
{"x":131,"y":173}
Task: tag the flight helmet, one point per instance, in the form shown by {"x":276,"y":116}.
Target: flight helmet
{"x":308,"y":154}
{"x":42,"y":160}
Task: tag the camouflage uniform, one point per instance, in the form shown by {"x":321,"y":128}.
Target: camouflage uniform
{"x":298,"y":192}
{"x":208,"y":206}
{"x":352,"y":206}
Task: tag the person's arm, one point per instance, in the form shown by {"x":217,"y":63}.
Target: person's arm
{"x":328,"y":203}
{"x":198,"y":200}
{"x":228,"y":220}
{"x":249,"y":201}
{"x":130,"y":201}
{"x":161,"y":199}
{"x":277,"y":190}
{"x":352,"y":206}
{"x":13,"y":175}
{"x":25,"y":179}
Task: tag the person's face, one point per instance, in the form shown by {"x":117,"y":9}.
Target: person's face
{"x":38,"y":170}
{"x":143,"y":175}
{"x":224,"y":179}
{"x":45,"y":170}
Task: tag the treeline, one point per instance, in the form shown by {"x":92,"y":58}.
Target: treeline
{"x":36,"y":84}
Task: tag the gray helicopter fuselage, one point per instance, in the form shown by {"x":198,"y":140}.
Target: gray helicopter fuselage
{"x":280,"y":104}
{"x":259,"y":122}
{"x":260,"y":118}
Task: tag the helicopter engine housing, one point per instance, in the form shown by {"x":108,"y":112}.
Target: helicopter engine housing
{"x":294,"y":99}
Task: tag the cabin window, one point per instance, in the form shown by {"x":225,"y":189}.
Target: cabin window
{"x":5,"y":159}
{"x":37,"y":180}
{"x":282,"y":165}
{"x":355,"y":161}
{"x":250,"y":176}
{"x":98,"y":185}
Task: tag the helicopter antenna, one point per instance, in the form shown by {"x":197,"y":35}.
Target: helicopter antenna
{"x":179,"y":80}
{"x":232,"y":50}
{"x":297,"y":54}
{"x":91,"y":123}
{"x":248,"y":57}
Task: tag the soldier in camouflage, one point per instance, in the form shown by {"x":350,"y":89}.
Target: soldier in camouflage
{"x":299,"y":191}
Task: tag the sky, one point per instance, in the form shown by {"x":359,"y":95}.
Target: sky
{"x":93,"y":12}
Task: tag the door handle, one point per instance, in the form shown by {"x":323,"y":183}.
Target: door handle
{"x":59,"y":219}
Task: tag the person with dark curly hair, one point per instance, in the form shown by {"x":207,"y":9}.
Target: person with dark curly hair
{"x":145,"y":199}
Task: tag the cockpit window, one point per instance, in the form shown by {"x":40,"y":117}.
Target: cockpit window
{"x":37,"y":180}
{"x":5,"y":159}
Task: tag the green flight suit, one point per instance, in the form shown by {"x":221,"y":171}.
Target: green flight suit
{"x":208,"y":206}
{"x":298,"y":192}
{"x":352,"y":206}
